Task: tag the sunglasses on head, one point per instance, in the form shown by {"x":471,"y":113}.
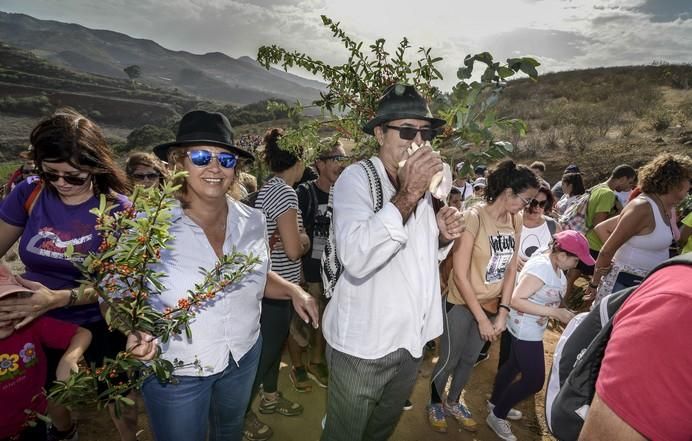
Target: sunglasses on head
{"x":409,"y":133}
{"x":202,"y":158}
{"x":145,"y":176}
{"x":72,"y":180}
{"x":534,"y":204}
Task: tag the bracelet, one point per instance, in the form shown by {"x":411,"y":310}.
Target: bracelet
{"x":591,"y":285}
{"x":503,"y":306}
{"x":74,"y":293}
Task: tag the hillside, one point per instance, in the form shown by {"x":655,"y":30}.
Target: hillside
{"x":599,"y":118}
{"x":210,"y":76}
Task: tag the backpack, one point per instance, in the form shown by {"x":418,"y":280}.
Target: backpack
{"x":577,"y":361}
{"x":33,"y":197}
{"x":574,"y":217}
{"x":331,"y":268}
{"x":250,"y":199}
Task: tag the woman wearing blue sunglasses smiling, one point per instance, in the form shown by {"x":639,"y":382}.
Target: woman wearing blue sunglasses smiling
{"x":210,"y":403}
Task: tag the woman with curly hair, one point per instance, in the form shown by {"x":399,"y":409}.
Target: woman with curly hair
{"x":644,"y":231}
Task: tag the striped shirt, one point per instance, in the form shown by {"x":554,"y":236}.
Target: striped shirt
{"x":274,"y":199}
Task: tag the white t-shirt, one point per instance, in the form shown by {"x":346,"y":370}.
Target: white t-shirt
{"x":534,"y":240}
{"x":466,"y":190}
{"x":530,"y":327}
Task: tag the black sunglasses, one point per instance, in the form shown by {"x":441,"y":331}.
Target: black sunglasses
{"x":409,"y":133}
{"x":338,"y":158}
{"x":534,"y":203}
{"x":72,"y":180}
{"x":202,"y":158}
{"x":145,"y":176}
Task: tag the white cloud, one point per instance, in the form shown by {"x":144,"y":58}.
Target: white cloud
{"x":561,"y":34}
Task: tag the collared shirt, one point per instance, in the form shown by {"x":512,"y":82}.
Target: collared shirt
{"x":229,"y":324}
{"x":389,"y":294}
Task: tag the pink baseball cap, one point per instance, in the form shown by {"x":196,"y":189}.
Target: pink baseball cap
{"x":9,"y":284}
{"x":574,"y":242}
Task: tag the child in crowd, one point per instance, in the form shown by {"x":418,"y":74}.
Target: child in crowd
{"x":23,"y":365}
{"x":536,"y":298}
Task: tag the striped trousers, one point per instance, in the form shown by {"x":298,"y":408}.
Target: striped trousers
{"x":366,"y":397}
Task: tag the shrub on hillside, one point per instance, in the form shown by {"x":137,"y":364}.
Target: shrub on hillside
{"x":147,"y":136}
{"x":660,"y":118}
{"x":30,"y":105}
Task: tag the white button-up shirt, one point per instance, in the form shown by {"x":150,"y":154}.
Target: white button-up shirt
{"x":389,"y":294}
{"x":229,"y":324}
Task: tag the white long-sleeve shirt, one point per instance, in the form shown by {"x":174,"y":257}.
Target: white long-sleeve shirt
{"x":389,"y":294}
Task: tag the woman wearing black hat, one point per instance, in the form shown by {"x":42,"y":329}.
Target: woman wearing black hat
{"x":226,"y":340}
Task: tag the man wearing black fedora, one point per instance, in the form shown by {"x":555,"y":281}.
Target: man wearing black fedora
{"x":386,"y":304}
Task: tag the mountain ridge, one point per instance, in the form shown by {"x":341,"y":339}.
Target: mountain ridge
{"x":212,"y":75}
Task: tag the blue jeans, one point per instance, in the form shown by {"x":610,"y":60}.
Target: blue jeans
{"x":185,"y":410}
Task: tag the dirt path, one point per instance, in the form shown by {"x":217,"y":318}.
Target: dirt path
{"x":95,"y":425}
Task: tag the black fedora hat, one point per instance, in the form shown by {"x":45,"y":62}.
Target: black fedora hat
{"x":401,"y":101}
{"x":199,"y":127}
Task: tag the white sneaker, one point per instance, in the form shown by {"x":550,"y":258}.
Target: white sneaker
{"x":500,"y":427}
{"x":513,"y":413}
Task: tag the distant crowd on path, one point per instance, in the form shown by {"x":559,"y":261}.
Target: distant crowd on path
{"x":361,"y":270}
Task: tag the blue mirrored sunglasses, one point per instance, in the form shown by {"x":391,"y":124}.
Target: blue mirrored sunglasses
{"x":202,"y":158}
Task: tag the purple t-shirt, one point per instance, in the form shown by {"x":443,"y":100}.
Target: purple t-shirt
{"x":49,"y":230}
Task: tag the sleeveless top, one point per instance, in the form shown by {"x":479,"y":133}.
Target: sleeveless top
{"x":647,"y":250}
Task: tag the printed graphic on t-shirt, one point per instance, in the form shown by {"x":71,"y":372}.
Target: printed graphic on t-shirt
{"x":11,"y":367}
{"x":532,"y":243}
{"x":49,"y":243}
{"x":501,"y":252}
{"x":320,"y":232}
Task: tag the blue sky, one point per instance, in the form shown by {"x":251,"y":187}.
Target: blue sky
{"x":562,"y":34}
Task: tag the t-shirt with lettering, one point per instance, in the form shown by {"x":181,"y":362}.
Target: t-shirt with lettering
{"x":313,"y":206}
{"x":274,"y":199}
{"x":493,"y":249}
{"x":601,"y":200}
{"x":23,"y":370}
{"x":645,"y":377}
{"x":530,"y":327}
{"x":49,"y":232}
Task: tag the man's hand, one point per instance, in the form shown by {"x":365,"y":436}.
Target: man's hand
{"x":416,"y":174}
{"x":450,"y":222}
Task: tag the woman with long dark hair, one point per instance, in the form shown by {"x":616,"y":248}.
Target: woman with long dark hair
{"x":480,"y":287}
{"x":50,"y":216}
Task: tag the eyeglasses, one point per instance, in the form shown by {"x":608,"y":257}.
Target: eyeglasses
{"x":202,"y":158}
{"x":72,"y":180}
{"x":145,"y":176}
{"x":409,"y":133}
{"x":33,"y":171}
{"x":338,"y":158}
{"x":524,"y":201}
{"x":536,"y":203}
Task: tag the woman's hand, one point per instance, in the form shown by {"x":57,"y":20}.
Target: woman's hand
{"x":486,"y":329}
{"x":66,"y":366}
{"x":564,"y":315}
{"x":500,"y":324}
{"x":520,"y":264}
{"x":141,"y":345}
{"x":305,"y":306}
{"x":28,"y":308}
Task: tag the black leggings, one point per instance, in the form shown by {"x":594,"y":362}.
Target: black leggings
{"x":274,"y":325}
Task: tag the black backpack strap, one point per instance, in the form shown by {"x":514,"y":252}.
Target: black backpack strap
{"x":552,"y":225}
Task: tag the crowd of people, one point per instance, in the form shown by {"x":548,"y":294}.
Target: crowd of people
{"x":494,"y":260}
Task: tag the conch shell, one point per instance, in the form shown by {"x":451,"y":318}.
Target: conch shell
{"x":441,"y":182}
